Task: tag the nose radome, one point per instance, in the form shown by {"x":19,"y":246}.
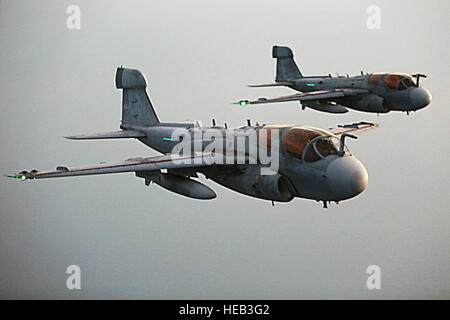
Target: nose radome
{"x":346,"y":177}
{"x":358,"y":181}
{"x":420,"y":98}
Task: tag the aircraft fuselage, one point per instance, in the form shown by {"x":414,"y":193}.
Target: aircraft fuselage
{"x":380,"y":97}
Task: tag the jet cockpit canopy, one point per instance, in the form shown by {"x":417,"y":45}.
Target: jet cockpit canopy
{"x":310,"y":144}
{"x":394,"y":81}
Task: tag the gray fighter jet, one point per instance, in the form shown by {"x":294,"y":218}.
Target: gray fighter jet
{"x":377,"y":93}
{"x":305,"y":162}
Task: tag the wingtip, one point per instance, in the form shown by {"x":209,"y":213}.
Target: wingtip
{"x":241,"y":103}
{"x":16,"y":176}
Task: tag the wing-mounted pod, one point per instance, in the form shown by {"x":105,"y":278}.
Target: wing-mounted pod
{"x":324,"y":106}
{"x":178,"y":184}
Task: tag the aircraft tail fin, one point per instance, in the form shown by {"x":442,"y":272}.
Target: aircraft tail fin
{"x":286,"y":67}
{"x":137,"y":109}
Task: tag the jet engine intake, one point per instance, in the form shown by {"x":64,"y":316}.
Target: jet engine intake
{"x":274,"y":187}
{"x":269,"y":187}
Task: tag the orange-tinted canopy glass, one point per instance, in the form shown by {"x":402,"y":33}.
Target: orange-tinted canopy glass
{"x":374,"y":78}
{"x":393,"y":79}
{"x":296,"y":140}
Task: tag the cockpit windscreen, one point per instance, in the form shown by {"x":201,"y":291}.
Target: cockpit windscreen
{"x":321,"y":148}
{"x":310,"y":144}
{"x":394,"y":81}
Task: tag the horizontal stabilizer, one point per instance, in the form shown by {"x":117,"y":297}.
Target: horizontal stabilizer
{"x":276,"y":84}
{"x":120,"y":134}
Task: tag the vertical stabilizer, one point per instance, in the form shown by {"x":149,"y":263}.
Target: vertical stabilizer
{"x":286,"y":67}
{"x":137,"y":109}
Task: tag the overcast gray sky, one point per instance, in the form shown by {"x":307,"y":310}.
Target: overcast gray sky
{"x":137,"y":242}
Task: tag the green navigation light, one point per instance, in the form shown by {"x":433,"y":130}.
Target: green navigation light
{"x":243,"y":103}
{"x":167,"y":139}
{"x":310,"y":84}
{"x":23,"y":178}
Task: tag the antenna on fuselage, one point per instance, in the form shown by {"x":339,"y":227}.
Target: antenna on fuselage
{"x":213,"y":122}
{"x":249,"y":123}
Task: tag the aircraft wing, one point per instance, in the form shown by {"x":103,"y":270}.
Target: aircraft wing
{"x":307,"y":96}
{"x":354,"y":128}
{"x":130,"y":165}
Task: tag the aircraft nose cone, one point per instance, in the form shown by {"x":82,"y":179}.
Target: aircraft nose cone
{"x":420,"y":98}
{"x":346,"y":177}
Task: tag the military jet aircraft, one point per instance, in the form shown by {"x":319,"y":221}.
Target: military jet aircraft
{"x":377,"y":93}
{"x":311,"y":163}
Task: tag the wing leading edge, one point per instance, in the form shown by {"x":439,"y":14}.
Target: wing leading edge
{"x":129,"y":165}
{"x":307,"y":96}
